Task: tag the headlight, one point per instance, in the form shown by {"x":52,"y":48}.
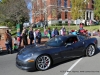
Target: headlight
{"x":28,"y":55}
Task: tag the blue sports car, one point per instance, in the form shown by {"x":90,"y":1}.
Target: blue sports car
{"x":55,"y":50}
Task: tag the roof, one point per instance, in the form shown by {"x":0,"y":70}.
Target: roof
{"x":5,"y":27}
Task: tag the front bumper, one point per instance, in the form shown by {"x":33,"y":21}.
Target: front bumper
{"x":29,"y":66}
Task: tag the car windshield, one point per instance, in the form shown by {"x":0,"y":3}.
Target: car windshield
{"x":55,"y":42}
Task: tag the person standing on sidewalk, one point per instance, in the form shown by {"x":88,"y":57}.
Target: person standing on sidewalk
{"x":31,"y":36}
{"x":39,"y":36}
{"x":19,"y":37}
{"x":8,"y":42}
{"x":35,"y":36}
{"x":63,"y":30}
{"x":8,"y":32}
{"x":49,"y":33}
{"x":56,"y":32}
{"x":52,"y":33}
{"x":24,"y":37}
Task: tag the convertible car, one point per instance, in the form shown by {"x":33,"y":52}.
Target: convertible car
{"x":57,"y":49}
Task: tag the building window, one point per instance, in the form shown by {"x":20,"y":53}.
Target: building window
{"x":59,"y":3}
{"x":65,"y":14}
{"x":59,"y":16}
{"x":93,"y":4}
{"x":65,"y":3}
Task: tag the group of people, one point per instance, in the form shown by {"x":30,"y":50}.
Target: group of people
{"x":14,"y":43}
{"x":81,"y":31}
{"x":96,"y":33}
{"x":54,"y":32}
{"x":35,"y":35}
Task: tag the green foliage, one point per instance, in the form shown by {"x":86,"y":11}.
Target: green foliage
{"x":97,"y":9}
{"x":4,"y":1}
{"x":10,"y":23}
{"x":15,"y":11}
{"x":2,"y":24}
{"x":78,"y":8}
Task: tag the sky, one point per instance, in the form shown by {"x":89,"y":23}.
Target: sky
{"x":29,"y":6}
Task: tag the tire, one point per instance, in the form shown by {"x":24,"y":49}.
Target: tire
{"x":43,"y":62}
{"x":90,"y":50}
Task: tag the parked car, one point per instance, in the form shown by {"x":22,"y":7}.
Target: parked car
{"x":55,"y":50}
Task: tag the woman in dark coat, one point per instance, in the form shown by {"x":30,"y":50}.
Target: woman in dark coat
{"x":31,"y":36}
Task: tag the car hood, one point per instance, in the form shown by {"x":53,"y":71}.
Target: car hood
{"x":32,"y":49}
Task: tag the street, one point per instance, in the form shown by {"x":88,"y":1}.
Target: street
{"x":77,"y":66}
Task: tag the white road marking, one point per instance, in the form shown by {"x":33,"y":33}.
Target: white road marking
{"x":73,"y":66}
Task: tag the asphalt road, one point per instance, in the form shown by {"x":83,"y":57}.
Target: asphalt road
{"x":78,"y":66}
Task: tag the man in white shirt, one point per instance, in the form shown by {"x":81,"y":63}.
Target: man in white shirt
{"x":35,"y":36}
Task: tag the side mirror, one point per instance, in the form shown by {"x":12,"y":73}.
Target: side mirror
{"x":68,"y":44}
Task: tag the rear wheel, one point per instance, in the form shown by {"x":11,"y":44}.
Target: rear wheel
{"x":90,"y":51}
{"x":43,"y":62}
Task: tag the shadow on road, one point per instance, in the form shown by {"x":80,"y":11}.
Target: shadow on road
{"x":4,"y":52}
{"x":97,"y":51}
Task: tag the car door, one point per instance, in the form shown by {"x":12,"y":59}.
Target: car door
{"x":78,"y":47}
{"x":66,"y":51}
{"x":74,"y":49}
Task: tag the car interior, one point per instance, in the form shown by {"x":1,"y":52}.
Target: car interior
{"x":71,"y":40}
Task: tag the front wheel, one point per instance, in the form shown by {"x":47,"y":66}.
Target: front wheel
{"x":43,"y":62}
{"x":90,"y":51}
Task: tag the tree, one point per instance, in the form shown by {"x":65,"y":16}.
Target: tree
{"x":13,"y":9}
{"x":97,"y":9}
{"x":78,"y":8}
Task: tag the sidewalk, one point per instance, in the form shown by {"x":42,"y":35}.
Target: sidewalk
{"x":2,"y":43}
